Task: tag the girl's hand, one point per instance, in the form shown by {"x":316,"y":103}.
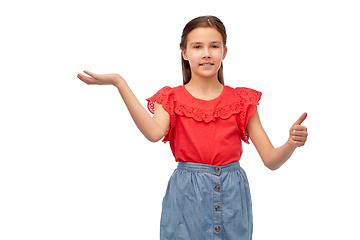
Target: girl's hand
{"x":298,"y":133}
{"x":100,"y":79}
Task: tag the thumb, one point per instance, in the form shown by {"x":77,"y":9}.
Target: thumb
{"x":301,"y":119}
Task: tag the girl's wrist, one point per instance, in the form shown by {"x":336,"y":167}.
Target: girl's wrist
{"x":119,"y":82}
{"x":290,"y":145}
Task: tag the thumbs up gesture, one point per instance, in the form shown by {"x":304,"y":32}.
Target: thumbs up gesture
{"x":298,"y":133}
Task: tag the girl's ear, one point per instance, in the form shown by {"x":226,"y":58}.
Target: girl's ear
{"x":224,"y":54}
{"x":185,"y":57}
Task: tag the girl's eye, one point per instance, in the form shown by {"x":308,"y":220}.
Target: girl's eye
{"x":197,"y":47}
{"x":215,"y":46}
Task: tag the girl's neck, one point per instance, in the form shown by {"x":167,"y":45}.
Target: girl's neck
{"x":204,"y":88}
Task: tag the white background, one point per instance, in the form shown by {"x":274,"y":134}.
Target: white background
{"x":73,"y":164}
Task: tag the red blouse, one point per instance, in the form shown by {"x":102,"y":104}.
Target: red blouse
{"x":207,"y":132}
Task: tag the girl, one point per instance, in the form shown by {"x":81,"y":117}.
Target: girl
{"x":204,"y":120}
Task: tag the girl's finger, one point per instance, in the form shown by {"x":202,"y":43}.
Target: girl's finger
{"x":85,"y":79}
{"x":298,"y":138}
{"x":299,"y":127}
{"x":298,"y":143}
{"x":298,"y":133}
{"x":90,"y":73}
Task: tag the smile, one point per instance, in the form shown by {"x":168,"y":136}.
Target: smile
{"x":206,"y":64}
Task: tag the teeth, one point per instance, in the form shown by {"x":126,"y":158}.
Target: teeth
{"x":206,"y":64}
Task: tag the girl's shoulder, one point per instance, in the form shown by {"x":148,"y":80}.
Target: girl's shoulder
{"x":168,"y":90}
{"x":169,"y":96}
{"x":245,"y":94}
{"x":164,"y":96}
{"x":243,"y":90}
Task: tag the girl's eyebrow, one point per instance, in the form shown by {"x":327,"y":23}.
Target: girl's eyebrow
{"x":196,"y":43}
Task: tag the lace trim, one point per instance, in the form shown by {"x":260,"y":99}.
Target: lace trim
{"x":251,"y":98}
{"x":208,"y":115}
{"x":160,"y":97}
{"x":247,"y":98}
{"x":244,"y":106}
{"x":243,"y":111}
{"x":167,"y":101}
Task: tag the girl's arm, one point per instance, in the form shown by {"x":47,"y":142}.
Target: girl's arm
{"x":272,"y":157}
{"x":153,"y":128}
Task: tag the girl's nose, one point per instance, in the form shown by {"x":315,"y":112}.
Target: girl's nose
{"x":206,"y":53}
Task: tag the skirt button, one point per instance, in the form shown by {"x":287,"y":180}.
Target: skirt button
{"x":217,"y":188}
{"x":217,"y":229}
{"x":217,"y":169}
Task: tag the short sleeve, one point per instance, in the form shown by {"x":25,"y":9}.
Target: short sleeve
{"x":166,"y":98}
{"x":249,"y":99}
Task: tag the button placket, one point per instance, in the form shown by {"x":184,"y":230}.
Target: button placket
{"x":217,"y":203}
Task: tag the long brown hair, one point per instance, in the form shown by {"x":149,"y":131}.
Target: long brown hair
{"x":203,"y":21}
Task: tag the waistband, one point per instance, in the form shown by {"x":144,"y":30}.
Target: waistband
{"x":197,"y":167}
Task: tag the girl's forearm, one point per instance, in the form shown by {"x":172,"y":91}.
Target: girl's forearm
{"x":278,"y":156}
{"x":146,"y":124}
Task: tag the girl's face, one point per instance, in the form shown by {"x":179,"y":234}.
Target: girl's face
{"x":204,"y":50}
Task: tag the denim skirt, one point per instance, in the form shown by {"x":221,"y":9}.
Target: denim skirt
{"x":205,"y":202}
